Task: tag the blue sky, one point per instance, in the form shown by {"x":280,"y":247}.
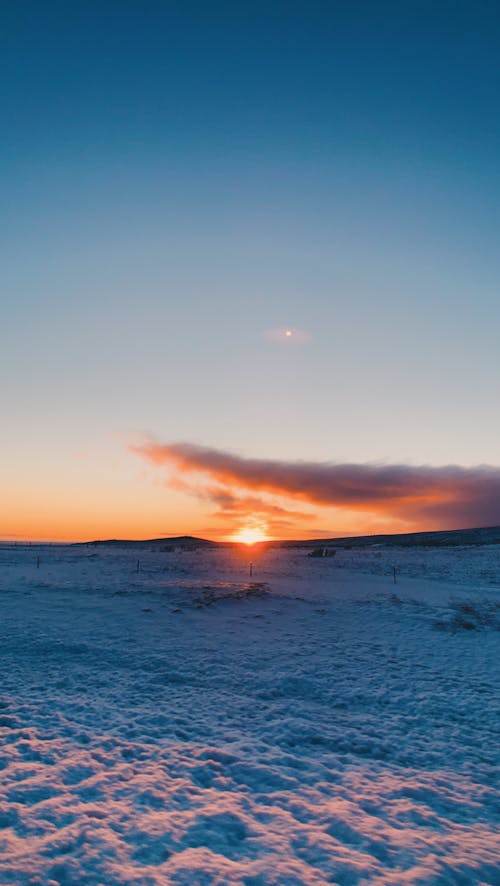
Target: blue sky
{"x":179,"y":178}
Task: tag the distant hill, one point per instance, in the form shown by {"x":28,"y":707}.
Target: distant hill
{"x":185,"y":542}
{"x":444,"y":538}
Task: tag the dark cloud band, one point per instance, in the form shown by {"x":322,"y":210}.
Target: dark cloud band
{"x":433,"y":497}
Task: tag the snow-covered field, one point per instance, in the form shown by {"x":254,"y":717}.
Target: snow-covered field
{"x":189,"y":724}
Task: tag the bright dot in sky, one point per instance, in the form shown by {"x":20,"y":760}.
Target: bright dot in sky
{"x":250,"y":535}
{"x":291,"y":334}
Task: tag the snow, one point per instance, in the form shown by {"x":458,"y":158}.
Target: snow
{"x":182,"y":722}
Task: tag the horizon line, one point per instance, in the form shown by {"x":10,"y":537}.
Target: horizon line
{"x":274,"y":541}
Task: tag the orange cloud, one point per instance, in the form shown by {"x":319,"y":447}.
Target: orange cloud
{"x":421,"y":496}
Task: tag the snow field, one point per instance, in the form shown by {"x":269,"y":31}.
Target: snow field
{"x":189,"y":724}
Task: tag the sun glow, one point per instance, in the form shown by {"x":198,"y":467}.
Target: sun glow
{"x":250,"y":535}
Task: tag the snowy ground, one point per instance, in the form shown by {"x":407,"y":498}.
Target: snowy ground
{"x":188,"y":724}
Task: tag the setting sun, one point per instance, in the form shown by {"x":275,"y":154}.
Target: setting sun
{"x":250,"y":535}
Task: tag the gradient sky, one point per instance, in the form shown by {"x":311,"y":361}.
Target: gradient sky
{"x":180,"y":183}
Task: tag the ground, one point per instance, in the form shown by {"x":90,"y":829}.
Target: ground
{"x":178,"y":721}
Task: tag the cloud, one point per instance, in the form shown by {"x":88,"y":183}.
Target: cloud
{"x":236,"y":507}
{"x":428,"y":497}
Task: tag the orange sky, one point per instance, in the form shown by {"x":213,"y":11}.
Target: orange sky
{"x":152,"y":489}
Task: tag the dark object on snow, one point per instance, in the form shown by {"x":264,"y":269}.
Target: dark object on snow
{"x":322,"y":552}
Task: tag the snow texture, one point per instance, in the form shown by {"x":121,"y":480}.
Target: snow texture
{"x":178,"y":721}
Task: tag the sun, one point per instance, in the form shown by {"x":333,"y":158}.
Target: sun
{"x":250,"y":535}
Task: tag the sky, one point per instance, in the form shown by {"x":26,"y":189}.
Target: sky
{"x":249,"y":268}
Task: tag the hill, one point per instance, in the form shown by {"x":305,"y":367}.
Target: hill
{"x":185,"y":542}
{"x":443,"y":538}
